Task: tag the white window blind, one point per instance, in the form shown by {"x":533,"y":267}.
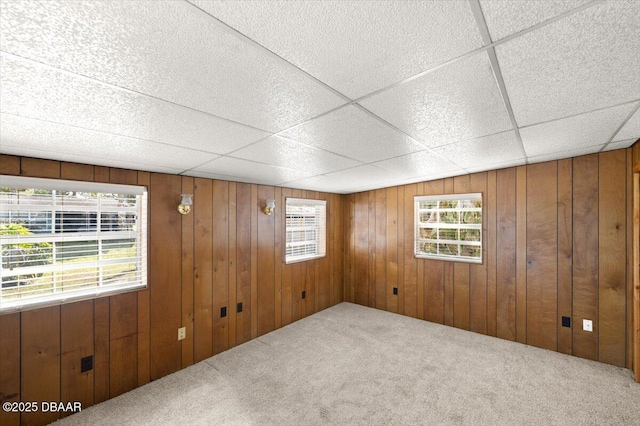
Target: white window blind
{"x":449,"y":227}
{"x":66,"y":240}
{"x":306,"y":229}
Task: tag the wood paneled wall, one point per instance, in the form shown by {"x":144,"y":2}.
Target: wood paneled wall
{"x":555,"y":238}
{"x":224,"y":253}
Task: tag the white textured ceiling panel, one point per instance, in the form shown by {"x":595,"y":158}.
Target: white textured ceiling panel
{"x":620,"y":144}
{"x":293,"y":155}
{"x":354,"y":133}
{"x":32,"y":90}
{"x":496,"y":166}
{"x":424,"y":163}
{"x":631,"y":129}
{"x":167,"y":49}
{"x":247,"y":171}
{"x":456,"y":102}
{"x":580,"y":131}
{"x":583,"y":62}
{"x":565,"y":154}
{"x":35,"y":135}
{"x":506,"y":17}
{"x":320,"y":183}
{"x":474,"y":153}
{"x":365,"y":177}
{"x":356,"y":47}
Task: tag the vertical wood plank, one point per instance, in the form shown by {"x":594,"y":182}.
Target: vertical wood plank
{"x":401,"y":247}
{"x":144,"y":314}
{"x":9,"y":165}
{"x":101,"y":349}
{"x":478,"y":273}
{"x":123,"y":176}
{"x":434,"y":269}
{"x":506,"y":259}
{"x":391,"y":248}
{"x":75,"y":171}
{"x":278,"y":255}
{"x":254,"y":261}
{"x":565,"y":251}
{"x":232,"y":265}
{"x":165,"y":274}
{"x":123,"y":345}
{"x":585,"y":255}
{"x":521,"y":254}
{"x":287,"y":283}
{"x":461,"y":278}
{"x":350,"y":289}
{"x":243,"y":262}
{"x":220,"y":253}
{"x":40,"y":366}
{"x":630,"y":258}
{"x":491,"y":197}
{"x":9,"y":363}
{"x":35,"y":167}
{"x":187,"y":277}
{"x":371,"y":267}
{"x":76,"y":342}
{"x":361,"y":266}
{"x":410,"y":292}
{"x":542,"y":255}
{"x":266,"y":264}
{"x":611,"y":257}
{"x":636,"y":277}
{"x":101,"y":174}
{"x":380,"y":261}
{"x":203,"y":269}
{"x":449,"y":273}
{"x":322,"y":280}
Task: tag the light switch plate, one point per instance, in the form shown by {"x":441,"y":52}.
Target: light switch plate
{"x":587,"y":325}
{"x":182,"y":333}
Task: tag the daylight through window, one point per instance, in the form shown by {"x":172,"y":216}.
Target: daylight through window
{"x":449,"y":227}
{"x":66,"y":240}
{"x":306,"y":224}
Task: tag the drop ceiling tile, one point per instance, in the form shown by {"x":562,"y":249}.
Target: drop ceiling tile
{"x":352,"y":132}
{"x":492,"y":149}
{"x":425,"y":164}
{"x":248,"y":171}
{"x":496,"y":166}
{"x":356,"y":47}
{"x":586,"y":61}
{"x":456,"y":102}
{"x":167,"y":49}
{"x":319,"y":183}
{"x":506,"y":17}
{"x":35,"y":91}
{"x":364,"y":176}
{"x":620,"y":144}
{"x":580,"y":131}
{"x":565,"y":154}
{"x":286,"y":153}
{"x":631,"y":129}
{"x":56,"y":139}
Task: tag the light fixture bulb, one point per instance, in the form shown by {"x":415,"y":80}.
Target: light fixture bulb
{"x":270,"y":207}
{"x":186,"y":203}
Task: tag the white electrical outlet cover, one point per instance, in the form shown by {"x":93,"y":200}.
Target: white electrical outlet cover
{"x":587,"y":325}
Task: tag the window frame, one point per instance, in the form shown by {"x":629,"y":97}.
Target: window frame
{"x":60,"y":213}
{"x":321,"y":240}
{"x":459,"y":226}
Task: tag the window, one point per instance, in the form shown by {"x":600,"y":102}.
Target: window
{"x":306,"y":226}
{"x":65,"y":240}
{"x":449,"y":227}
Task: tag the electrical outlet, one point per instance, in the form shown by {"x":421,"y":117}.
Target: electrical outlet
{"x":182,"y":333}
{"x":587,"y":325}
{"x":395,"y":291}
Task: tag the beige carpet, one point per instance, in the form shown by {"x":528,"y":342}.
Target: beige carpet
{"x":355,"y":365}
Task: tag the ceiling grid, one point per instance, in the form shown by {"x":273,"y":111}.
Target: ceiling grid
{"x":327,"y":96}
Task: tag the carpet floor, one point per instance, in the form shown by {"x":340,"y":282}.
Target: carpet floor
{"x":355,"y":365}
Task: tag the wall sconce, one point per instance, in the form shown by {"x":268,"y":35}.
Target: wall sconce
{"x":186,"y":203}
{"x":270,"y":207}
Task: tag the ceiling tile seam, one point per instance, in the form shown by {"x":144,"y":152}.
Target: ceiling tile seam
{"x":580,"y":113}
{"x":480,"y":50}
{"x":559,"y":154}
{"x":251,"y":41}
{"x":244,"y":159}
{"x":495,"y":67}
{"x":326,"y":174}
{"x":624,"y":122}
{"x":231,"y":178}
{"x":278,"y":133}
{"x":127,"y":90}
{"x":48,"y":151}
{"x":110,"y":133}
{"x":322,"y":149}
